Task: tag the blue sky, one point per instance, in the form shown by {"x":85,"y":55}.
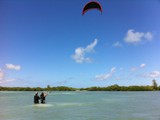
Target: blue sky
{"x":49,"y":42}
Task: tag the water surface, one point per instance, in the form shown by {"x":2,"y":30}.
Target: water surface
{"x":81,"y":106}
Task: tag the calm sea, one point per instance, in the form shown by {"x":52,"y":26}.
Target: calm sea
{"x":81,"y":106}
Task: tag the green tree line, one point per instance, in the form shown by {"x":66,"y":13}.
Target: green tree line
{"x":115,"y":87}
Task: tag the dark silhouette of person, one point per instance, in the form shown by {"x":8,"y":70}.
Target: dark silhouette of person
{"x":36,"y":98}
{"x":43,"y":98}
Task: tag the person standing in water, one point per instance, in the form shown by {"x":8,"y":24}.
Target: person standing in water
{"x":43,"y":98}
{"x":36,"y":98}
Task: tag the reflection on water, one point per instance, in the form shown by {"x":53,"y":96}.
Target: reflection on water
{"x":81,"y":106}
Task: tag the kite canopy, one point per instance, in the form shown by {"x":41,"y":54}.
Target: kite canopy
{"x":91,"y":5}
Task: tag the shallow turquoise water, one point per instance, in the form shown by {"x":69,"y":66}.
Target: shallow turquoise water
{"x":81,"y":106}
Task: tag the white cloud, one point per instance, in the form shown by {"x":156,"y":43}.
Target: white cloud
{"x":133,"y":37}
{"x":10,"y":80}
{"x":113,"y":69}
{"x":153,"y":74}
{"x":3,"y":79}
{"x":7,"y":80}
{"x":117,"y":44}
{"x":90,"y":47}
{"x":142,"y":65}
{"x":133,"y":69}
{"x":136,"y":37}
{"x":106,"y":75}
{"x":1,"y":74}
{"x":13,"y":67}
{"x":80,"y":52}
{"x":148,"y":36}
{"x":103,"y":76}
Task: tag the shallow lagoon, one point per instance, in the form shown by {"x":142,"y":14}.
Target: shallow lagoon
{"x":81,"y":106}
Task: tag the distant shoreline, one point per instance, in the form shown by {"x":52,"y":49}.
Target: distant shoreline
{"x":64,"y":88}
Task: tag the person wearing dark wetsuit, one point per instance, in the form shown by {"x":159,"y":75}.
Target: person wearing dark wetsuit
{"x":43,"y":97}
{"x":36,"y":98}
